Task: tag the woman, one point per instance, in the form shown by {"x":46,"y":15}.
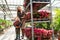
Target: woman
{"x":21,"y":21}
{"x":21,"y":16}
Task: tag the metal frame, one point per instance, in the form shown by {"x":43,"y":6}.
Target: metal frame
{"x":4,"y":9}
{"x":51,"y":19}
{"x":32,"y":19}
{"x":12,"y":4}
{"x":31,"y":14}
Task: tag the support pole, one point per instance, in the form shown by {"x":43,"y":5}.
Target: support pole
{"x":4,"y":16}
{"x":31,"y":6}
{"x":51,"y":19}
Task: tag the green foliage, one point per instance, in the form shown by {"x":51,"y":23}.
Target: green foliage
{"x":57,"y":11}
{"x":57,"y":19}
{"x":8,"y":23}
{"x":1,"y":27}
{"x":1,"y":21}
{"x":41,"y":25}
{"x":5,"y":23}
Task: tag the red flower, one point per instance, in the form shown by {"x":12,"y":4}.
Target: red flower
{"x":38,"y":32}
{"x":44,"y":14}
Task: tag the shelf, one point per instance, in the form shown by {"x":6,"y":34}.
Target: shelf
{"x":36,"y":6}
{"x":38,"y":21}
{"x":41,"y":2}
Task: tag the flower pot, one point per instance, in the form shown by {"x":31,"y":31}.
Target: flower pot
{"x":35,"y":19}
{"x":38,"y":19}
{"x":58,"y":35}
{"x":55,"y":32}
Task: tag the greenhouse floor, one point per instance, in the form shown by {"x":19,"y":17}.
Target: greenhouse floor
{"x":10,"y":35}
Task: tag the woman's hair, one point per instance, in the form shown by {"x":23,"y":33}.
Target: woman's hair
{"x":19,"y":9}
{"x":19,"y":15}
{"x":18,"y":12}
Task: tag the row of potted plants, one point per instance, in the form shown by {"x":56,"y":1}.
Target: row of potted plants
{"x":38,"y":33}
{"x":27,"y":1}
{"x":41,"y":15}
{"x":36,"y":6}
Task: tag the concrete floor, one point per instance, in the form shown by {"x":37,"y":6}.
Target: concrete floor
{"x":9,"y":34}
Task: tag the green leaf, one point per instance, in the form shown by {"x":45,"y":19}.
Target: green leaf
{"x":57,"y":19}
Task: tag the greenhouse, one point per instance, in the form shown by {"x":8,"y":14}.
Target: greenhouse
{"x":29,"y":19}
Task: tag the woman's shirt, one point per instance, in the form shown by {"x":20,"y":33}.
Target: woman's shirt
{"x":20,"y":15}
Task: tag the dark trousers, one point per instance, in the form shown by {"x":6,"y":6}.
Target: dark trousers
{"x":17,"y":33}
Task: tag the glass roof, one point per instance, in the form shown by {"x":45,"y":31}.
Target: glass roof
{"x":11,"y":5}
{"x":18,"y":2}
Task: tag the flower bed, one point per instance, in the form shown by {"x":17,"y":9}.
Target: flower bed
{"x":38,"y":33}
